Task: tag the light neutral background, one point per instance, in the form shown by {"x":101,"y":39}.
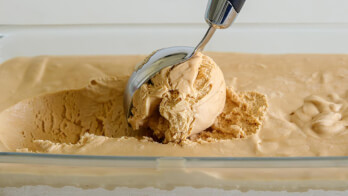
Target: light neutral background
{"x":263,"y":26}
{"x":166,"y":11}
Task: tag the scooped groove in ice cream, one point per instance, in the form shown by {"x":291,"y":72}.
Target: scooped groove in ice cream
{"x":180,"y":101}
{"x":65,"y":116}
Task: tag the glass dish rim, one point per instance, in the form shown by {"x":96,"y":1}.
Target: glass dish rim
{"x":268,"y":162}
{"x":167,"y":161}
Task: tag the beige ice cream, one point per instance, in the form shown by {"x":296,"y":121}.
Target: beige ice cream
{"x":322,"y":116}
{"x":242,"y":116}
{"x":180,"y":101}
{"x":276,"y":105}
{"x":65,"y":116}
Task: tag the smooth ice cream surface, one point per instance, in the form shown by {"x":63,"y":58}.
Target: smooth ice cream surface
{"x":180,"y":101}
{"x":276,"y":105}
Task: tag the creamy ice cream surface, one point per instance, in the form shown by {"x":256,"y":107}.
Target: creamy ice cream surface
{"x":275,"y":105}
{"x":180,"y":101}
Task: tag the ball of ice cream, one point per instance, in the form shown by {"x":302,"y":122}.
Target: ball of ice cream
{"x":180,"y":101}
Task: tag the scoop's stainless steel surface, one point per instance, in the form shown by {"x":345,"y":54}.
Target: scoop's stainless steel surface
{"x":219,"y":15}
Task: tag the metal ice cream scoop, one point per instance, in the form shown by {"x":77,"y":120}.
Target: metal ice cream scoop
{"x":219,"y":15}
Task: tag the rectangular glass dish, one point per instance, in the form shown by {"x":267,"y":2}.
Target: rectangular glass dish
{"x":252,"y":173}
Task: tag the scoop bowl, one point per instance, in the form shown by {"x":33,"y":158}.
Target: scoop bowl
{"x":154,"y":63}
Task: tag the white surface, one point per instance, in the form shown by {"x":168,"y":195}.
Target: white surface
{"x":143,"y":39}
{"x":166,"y":11}
{"x":46,"y":190}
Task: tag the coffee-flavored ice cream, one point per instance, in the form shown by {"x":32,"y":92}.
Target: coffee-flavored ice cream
{"x":275,"y":105}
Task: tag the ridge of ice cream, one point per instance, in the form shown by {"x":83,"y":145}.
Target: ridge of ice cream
{"x":322,"y":116}
{"x":180,"y":101}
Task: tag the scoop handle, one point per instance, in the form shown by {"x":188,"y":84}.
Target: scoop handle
{"x":237,"y":4}
{"x":221,"y":13}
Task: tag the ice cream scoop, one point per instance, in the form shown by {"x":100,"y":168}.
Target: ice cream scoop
{"x":219,"y":15}
{"x":180,"y":101}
